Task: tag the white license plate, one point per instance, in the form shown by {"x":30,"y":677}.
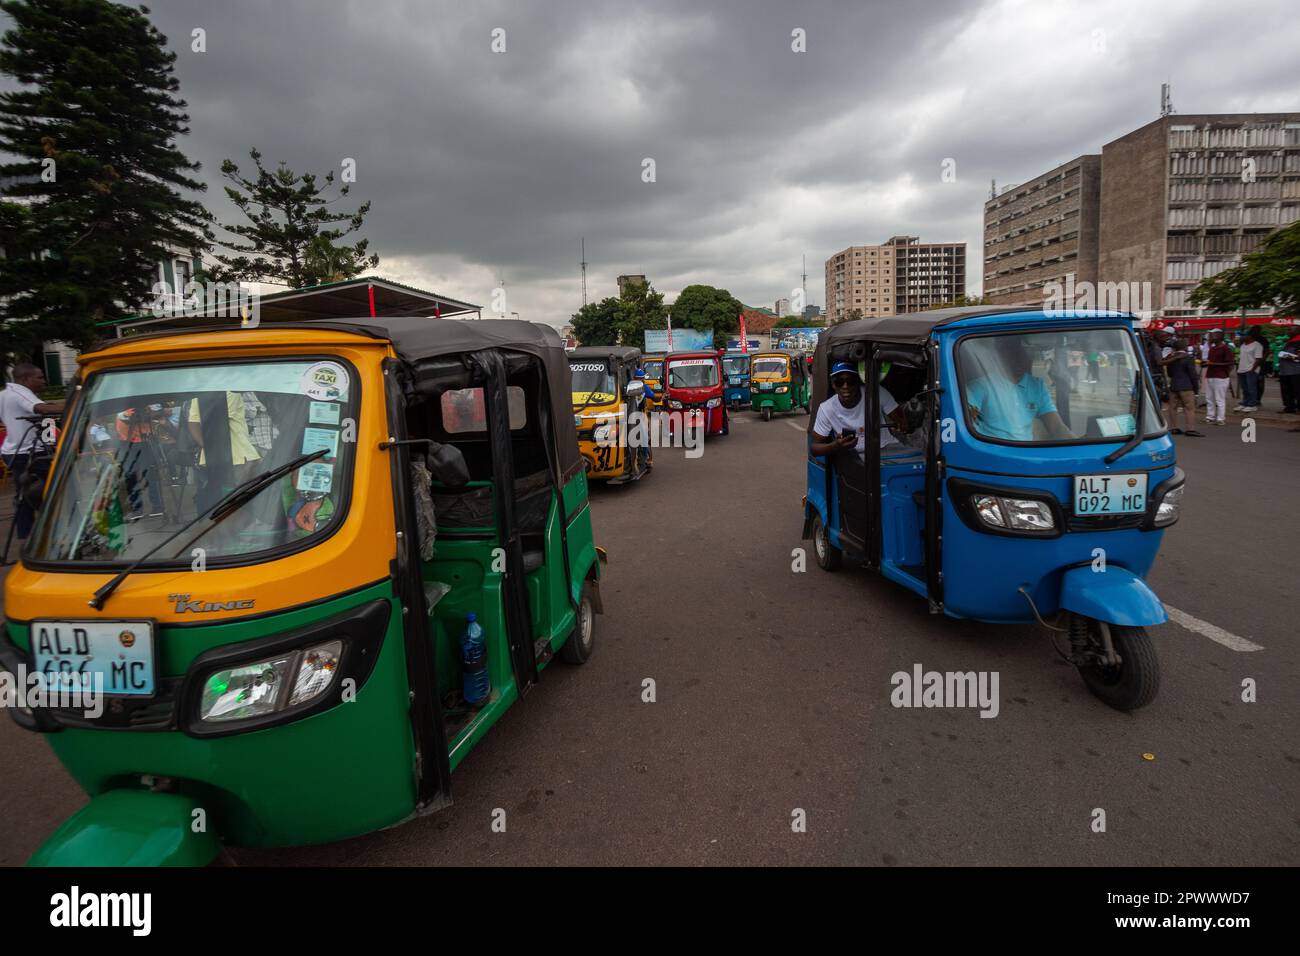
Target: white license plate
{"x":121,"y":652}
{"x":1110,"y":494}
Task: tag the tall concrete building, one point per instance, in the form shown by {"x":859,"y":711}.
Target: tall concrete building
{"x":1185,"y":197}
{"x":624,"y":281}
{"x":1178,"y":200}
{"x":782,"y":308}
{"x":1041,"y":231}
{"x":898,"y":276}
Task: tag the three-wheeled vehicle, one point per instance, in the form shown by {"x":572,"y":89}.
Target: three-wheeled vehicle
{"x":735,"y":371}
{"x":778,"y":383}
{"x":693,"y":389}
{"x":284,"y":647}
{"x":1011,"y":498}
{"x":653,"y":367}
{"x":606,"y":393}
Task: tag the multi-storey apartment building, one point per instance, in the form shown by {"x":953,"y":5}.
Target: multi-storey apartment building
{"x":1185,"y":197}
{"x":1041,"y":231}
{"x":898,"y":276}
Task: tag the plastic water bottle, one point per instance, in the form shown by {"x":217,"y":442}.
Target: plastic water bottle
{"x":475,"y":682}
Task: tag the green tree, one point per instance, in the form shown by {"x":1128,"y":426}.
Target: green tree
{"x":704,"y":308}
{"x":961,"y":302}
{"x":289,"y":236}
{"x":640,"y":308}
{"x":1269,"y":276}
{"x":799,"y":322}
{"x":596,"y":323}
{"x":90,"y":127}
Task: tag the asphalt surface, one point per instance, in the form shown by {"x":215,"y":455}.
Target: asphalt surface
{"x":773,"y":697}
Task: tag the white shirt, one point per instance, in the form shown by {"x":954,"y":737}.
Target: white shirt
{"x":833,"y":416}
{"x":1250,"y":352}
{"x":17,"y":400}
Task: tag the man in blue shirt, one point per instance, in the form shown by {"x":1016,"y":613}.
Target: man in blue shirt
{"x":1006,"y":401}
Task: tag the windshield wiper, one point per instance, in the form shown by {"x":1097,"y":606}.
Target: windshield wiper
{"x":1139,"y":429}
{"x":218,"y":512}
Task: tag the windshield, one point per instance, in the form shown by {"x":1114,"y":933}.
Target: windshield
{"x":693,"y":373}
{"x":735,"y":364}
{"x":1071,"y":386}
{"x":654,"y":370}
{"x":150,"y":448}
{"x":594,"y":378}
{"x":772,"y":365}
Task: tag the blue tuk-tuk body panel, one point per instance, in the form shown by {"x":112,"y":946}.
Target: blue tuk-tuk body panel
{"x":1094,"y":568}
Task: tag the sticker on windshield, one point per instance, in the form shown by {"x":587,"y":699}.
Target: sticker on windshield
{"x":1116,"y":425}
{"x":325,"y":381}
{"x":684,"y":362}
{"x":314,"y":439}
{"x":588,"y":367}
{"x":324,"y":413}
{"x":316,"y":478}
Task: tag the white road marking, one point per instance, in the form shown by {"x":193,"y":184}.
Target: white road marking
{"x":1213,"y":632}
{"x":794,"y":424}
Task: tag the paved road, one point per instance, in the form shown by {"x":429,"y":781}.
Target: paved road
{"x":773,"y":696}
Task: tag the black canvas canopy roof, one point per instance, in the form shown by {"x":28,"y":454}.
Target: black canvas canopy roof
{"x":625,"y":354}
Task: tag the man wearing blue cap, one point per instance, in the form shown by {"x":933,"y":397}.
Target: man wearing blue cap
{"x":841,"y":422}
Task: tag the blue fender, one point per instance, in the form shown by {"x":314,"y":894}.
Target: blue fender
{"x":1116,"y":596}
{"x":131,"y":828}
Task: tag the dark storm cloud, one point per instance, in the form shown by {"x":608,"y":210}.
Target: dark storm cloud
{"x":483,"y":165}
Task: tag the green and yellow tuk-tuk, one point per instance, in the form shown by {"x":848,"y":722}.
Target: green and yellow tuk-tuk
{"x":778,"y":382}
{"x":653,"y":366}
{"x":342,"y":551}
{"x":605,"y":391}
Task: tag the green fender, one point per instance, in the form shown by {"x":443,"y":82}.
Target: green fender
{"x":131,"y":828}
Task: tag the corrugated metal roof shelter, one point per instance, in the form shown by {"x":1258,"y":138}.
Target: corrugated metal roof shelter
{"x":369,"y":295}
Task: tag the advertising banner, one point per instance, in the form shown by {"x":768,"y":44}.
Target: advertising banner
{"x":684,"y":340}
{"x":801,"y":340}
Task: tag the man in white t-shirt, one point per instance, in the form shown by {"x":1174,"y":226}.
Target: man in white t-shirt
{"x":841,"y":421}
{"x":18,"y":402}
{"x":1250,"y":366}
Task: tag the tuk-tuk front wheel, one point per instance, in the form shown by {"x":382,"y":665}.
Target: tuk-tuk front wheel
{"x":1127,"y":685}
{"x":578,"y":647}
{"x":767,"y":413}
{"x":828,"y":556}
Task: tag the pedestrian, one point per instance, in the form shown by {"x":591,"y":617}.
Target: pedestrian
{"x":1218,"y":371}
{"x":1249,"y":364}
{"x":1288,"y":375}
{"x":20,"y":401}
{"x":1183,"y":386}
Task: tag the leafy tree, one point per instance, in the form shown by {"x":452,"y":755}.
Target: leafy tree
{"x":961,"y":302}
{"x":640,"y":308}
{"x":704,"y":308}
{"x":799,"y":322}
{"x":1269,"y":276}
{"x":289,"y":236}
{"x":91,"y":126}
{"x":596,"y":323}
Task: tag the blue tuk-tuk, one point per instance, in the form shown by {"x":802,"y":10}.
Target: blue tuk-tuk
{"x":1001,"y":486}
{"x":735,"y":379}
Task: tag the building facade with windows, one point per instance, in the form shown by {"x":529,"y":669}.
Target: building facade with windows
{"x":893,"y":278}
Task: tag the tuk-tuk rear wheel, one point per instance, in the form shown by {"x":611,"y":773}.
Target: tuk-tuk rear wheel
{"x":767,"y":413}
{"x":828,"y":556}
{"x":1136,"y":680}
{"x":577,"y":649}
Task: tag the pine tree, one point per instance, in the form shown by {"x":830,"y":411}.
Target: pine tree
{"x":93,"y":126}
{"x":286,"y":239}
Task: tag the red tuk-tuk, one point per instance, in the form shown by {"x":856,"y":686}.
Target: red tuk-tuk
{"x":693,"y":387}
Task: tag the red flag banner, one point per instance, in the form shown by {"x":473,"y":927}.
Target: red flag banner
{"x":744,"y":337}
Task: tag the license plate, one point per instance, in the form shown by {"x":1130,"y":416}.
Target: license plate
{"x":1110,"y":494}
{"x":121,"y":652}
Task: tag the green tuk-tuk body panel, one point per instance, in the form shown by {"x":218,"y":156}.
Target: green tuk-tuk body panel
{"x":281,"y":785}
{"x":132,"y":828}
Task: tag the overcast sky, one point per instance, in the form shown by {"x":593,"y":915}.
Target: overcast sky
{"x":484,"y":166}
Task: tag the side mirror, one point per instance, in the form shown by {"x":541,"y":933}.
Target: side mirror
{"x":635,"y":391}
{"x":447,"y":464}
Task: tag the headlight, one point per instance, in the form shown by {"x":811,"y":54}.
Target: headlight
{"x":673,"y":403}
{"x":270,"y":685}
{"x":782,"y":389}
{"x":713,"y":403}
{"x":1171,"y":505}
{"x":1014,"y":514}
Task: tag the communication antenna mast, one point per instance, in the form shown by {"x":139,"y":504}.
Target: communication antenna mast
{"x":993,"y":189}
{"x":1166,"y":101}
{"x":584,"y":271}
{"x":805,"y":280}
